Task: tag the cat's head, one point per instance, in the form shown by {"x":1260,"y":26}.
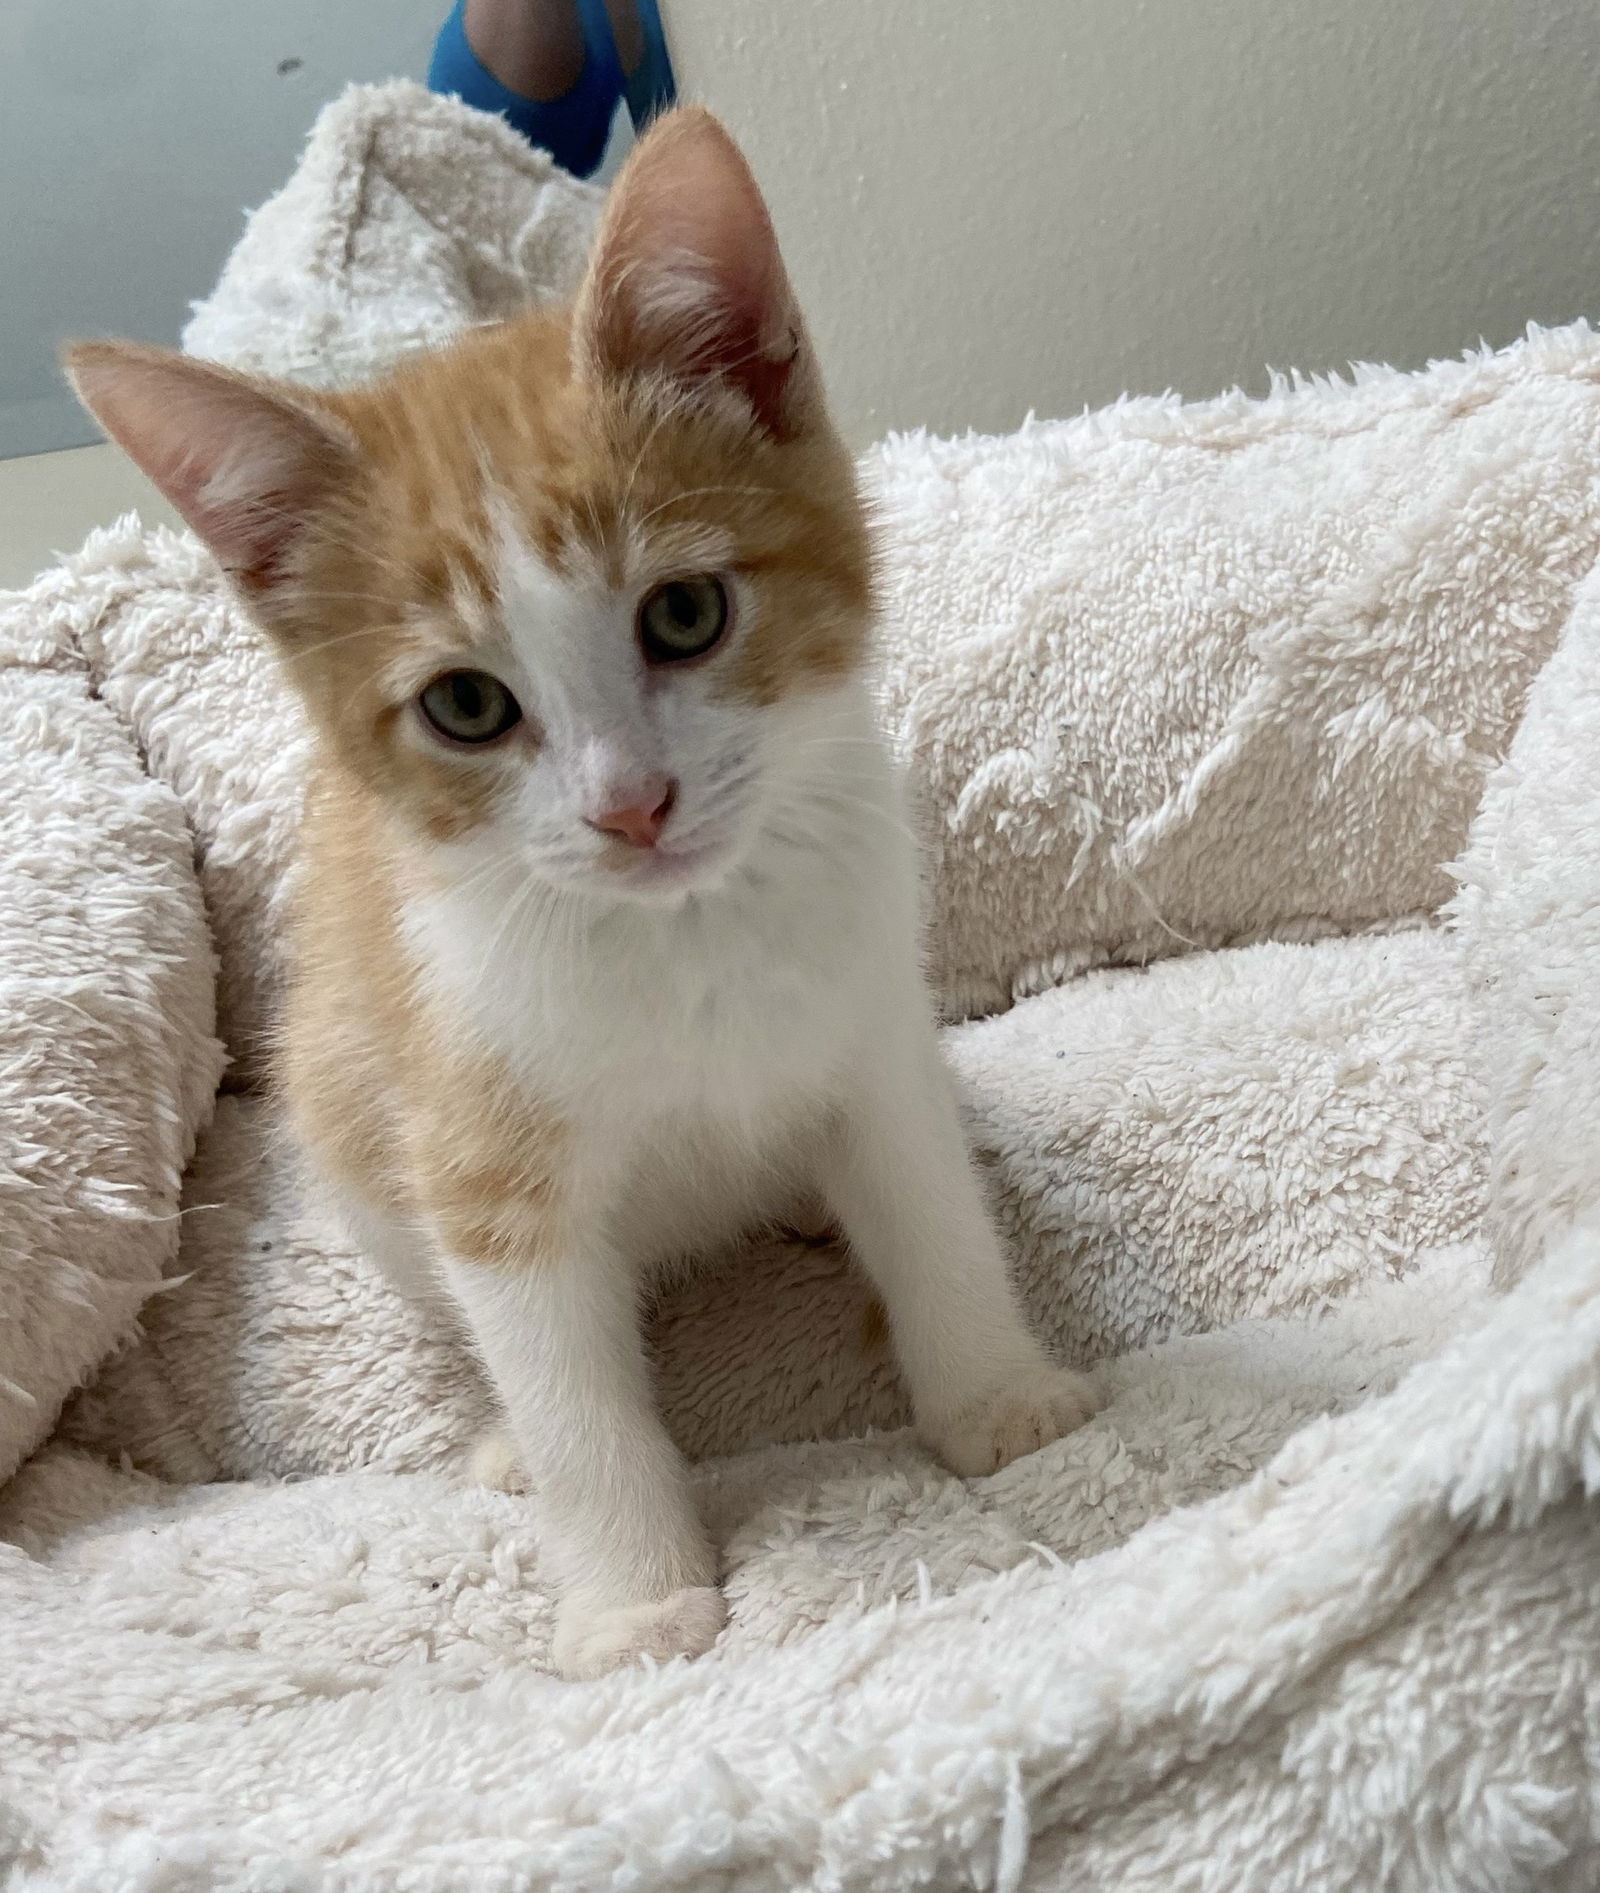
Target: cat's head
{"x":570,"y":587}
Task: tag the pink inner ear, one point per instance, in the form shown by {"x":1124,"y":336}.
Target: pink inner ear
{"x":244,"y":466}
{"x":252,"y":503}
{"x":734,"y":345}
{"x":687,"y":278}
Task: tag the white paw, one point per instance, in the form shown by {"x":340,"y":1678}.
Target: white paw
{"x":592,"y":1642}
{"x":1016,"y":1417}
{"x":493,"y":1461}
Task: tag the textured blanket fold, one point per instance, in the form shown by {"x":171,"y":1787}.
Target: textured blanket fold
{"x":1198,"y":703}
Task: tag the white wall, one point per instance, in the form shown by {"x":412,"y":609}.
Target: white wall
{"x":988,"y":207}
{"x":995,"y":207}
{"x":134,"y":135}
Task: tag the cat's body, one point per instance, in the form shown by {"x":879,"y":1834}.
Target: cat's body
{"x":607,"y":942}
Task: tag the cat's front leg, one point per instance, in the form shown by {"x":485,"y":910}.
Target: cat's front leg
{"x":619,"y":1536}
{"x":900,"y":1177}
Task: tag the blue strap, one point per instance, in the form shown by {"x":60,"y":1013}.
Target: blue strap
{"x":574,"y":128}
{"x":650,"y":87}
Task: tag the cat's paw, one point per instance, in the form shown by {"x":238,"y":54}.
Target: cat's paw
{"x":591,"y":1642}
{"x":493,"y":1461}
{"x":1015,"y":1417}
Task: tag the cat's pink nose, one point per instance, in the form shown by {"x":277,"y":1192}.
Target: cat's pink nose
{"x":640,"y":820}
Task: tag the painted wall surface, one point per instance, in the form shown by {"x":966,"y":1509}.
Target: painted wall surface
{"x":988,"y":207}
{"x":134,"y":134}
{"x":995,"y":207}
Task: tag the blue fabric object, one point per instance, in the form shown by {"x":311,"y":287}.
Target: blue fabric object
{"x":650,"y":88}
{"x":575,"y":127}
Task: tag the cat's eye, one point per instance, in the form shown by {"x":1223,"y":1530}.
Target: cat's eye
{"x":470,"y":706}
{"x":682,"y":618}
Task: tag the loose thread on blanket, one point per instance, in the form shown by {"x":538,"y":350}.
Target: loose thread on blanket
{"x":1154,"y":911}
{"x":1011,"y":1856}
{"x":177,"y":1215}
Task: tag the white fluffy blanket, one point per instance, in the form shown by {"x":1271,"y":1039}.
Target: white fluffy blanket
{"x":1314,"y":1603}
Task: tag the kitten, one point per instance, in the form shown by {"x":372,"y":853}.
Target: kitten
{"x":608,"y":934}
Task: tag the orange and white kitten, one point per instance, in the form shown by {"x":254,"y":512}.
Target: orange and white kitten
{"x":608,"y":937}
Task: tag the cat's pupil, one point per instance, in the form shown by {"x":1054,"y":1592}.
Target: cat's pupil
{"x":683,"y":605}
{"x":469,"y":696}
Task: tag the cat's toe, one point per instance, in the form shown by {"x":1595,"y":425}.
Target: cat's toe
{"x":494,"y":1461}
{"x":1008,"y":1421}
{"x":592,"y":1643}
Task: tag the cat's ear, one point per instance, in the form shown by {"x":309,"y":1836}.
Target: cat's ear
{"x":686,"y":280}
{"x":247,"y":466}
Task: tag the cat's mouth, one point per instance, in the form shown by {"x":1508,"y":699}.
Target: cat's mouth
{"x":681,"y":867}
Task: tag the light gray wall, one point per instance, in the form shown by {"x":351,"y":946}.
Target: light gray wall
{"x":989,"y":206}
{"x":1040,"y":204}
{"x":134,"y":134}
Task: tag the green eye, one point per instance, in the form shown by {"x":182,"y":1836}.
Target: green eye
{"x":682,"y":618}
{"x":470,"y":706}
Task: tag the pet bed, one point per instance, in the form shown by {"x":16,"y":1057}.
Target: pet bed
{"x":1199,"y":704}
